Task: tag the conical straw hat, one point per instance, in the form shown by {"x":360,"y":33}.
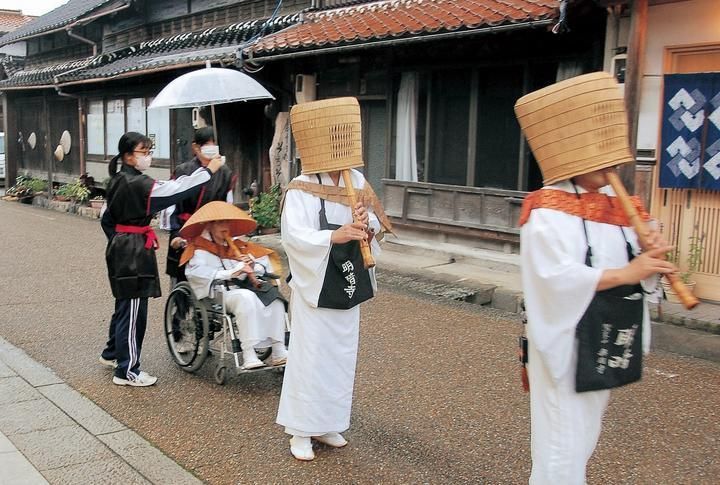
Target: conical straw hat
{"x":240,"y":222}
{"x":328,"y":134}
{"x":576,"y":126}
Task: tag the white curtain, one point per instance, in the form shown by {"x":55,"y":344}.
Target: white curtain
{"x":568,"y":69}
{"x":406,"y":150}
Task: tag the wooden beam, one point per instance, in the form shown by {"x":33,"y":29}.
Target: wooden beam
{"x":633,"y":81}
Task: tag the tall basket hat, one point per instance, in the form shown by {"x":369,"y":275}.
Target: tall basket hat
{"x":576,"y":126}
{"x":328,"y":134}
{"x":239,"y":221}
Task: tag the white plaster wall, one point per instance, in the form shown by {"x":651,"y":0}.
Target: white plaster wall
{"x":16,"y":49}
{"x":674,"y":24}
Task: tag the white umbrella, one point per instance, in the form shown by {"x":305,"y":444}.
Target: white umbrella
{"x":209,"y":86}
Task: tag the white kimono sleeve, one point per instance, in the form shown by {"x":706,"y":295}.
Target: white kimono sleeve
{"x":307,"y":247}
{"x":201,"y":271}
{"x":557,"y":284}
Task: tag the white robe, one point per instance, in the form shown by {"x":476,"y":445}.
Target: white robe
{"x":558,"y":288}
{"x":258,"y":325}
{"x":317,"y":389}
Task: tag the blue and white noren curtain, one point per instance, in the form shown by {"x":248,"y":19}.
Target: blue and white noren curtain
{"x":690,"y":136}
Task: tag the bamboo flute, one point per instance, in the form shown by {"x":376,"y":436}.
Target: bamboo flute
{"x":643,"y":233}
{"x":367,"y":256}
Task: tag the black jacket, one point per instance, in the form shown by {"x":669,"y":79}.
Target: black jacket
{"x":217,"y":188}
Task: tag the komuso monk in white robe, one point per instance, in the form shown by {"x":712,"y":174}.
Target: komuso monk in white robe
{"x":317,"y":390}
{"x":258,"y":325}
{"x":558,"y":287}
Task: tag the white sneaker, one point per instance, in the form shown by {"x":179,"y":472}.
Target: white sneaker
{"x":108,"y":363}
{"x":301,"y":448}
{"x":250,"y":360}
{"x":184,"y":346}
{"x":335,"y":440}
{"x":143,"y":380}
{"x":279,"y":354}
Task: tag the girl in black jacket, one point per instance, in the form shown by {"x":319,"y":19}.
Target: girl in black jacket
{"x":132,"y":200}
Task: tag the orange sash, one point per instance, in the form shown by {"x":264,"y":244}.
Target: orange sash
{"x":595,"y":207}
{"x":224,"y":252}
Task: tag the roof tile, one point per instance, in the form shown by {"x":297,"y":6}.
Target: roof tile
{"x":398,"y":18}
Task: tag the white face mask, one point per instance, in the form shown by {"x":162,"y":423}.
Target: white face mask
{"x":210,"y":151}
{"x":143,"y":162}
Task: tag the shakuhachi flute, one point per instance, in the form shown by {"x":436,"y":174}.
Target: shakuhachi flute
{"x":643,"y":233}
{"x":367,"y":256}
{"x":251,"y":276}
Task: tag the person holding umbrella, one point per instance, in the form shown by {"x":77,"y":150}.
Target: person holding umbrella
{"x":220,"y":187}
{"x":133,"y":198}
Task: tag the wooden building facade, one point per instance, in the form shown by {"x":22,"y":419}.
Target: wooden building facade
{"x":437,"y":82}
{"x":678,"y":129}
{"x":93,"y":66}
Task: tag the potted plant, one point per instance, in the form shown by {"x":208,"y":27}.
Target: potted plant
{"x":692,"y":264}
{"x":97,"y":202}
{"x":63,"y":193}
{"x":265,"y":209}
{"x":76,"y":191}
{"x":25,"y":188}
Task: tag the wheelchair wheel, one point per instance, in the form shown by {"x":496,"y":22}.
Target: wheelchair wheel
{"x":221,"y":375}
{"x":186,"y":328}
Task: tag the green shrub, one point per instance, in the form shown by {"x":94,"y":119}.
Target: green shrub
{"x":266,"y":207}
{"x":76,"y":191}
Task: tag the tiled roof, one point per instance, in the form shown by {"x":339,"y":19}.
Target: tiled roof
{"x":393,"y":19}
{"x":43,"y":76}
{"x":183,"y":49}
{"x":12,"y":19}
{"x":59,"y":17}
{"x":187,"y":48}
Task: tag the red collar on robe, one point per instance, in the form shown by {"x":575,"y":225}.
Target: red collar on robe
{"x":591,"y":206}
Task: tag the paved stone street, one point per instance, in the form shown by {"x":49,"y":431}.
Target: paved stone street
{"x":437,"y":397}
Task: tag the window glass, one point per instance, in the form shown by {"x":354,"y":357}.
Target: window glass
{"x":95,"y":128}
{"x":115,"y":120}
{"x":136,"y":115}
{"x":449,"y":120}
{"x":498,"y":132}
{"x":158,"y":129}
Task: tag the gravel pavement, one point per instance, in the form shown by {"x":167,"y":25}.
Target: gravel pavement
{"x":437,"y":395}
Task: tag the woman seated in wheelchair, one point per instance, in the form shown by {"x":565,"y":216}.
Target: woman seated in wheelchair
{"x":216,"y":261}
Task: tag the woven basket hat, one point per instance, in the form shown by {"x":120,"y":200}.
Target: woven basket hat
{"x":576,"y":126}
{"x":240,"y":222}
{"x":328,"y":134}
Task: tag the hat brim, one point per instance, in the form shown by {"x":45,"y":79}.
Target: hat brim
{"x":239,"y":221}
{"x":237,"y":228}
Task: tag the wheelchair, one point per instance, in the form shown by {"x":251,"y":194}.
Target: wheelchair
{"x":210,"y":329}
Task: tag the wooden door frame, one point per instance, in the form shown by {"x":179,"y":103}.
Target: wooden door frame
{"x":708,"y":283}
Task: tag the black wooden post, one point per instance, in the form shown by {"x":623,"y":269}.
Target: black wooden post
{"x":48,"y":146}
{"x":633,"y":80}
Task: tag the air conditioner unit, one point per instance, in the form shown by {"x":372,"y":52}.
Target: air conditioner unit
{"x":305,"y":89}
{"x":619,"y":62}
{"x":197,"y":120}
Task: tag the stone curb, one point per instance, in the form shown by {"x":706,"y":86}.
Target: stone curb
{"x":67,"y":437}
{"x":69,"y":207}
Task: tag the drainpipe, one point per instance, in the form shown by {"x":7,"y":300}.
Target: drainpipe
{"x":83,"y":39}
{"x":87,"y":20}
{"x":81,"y":125}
